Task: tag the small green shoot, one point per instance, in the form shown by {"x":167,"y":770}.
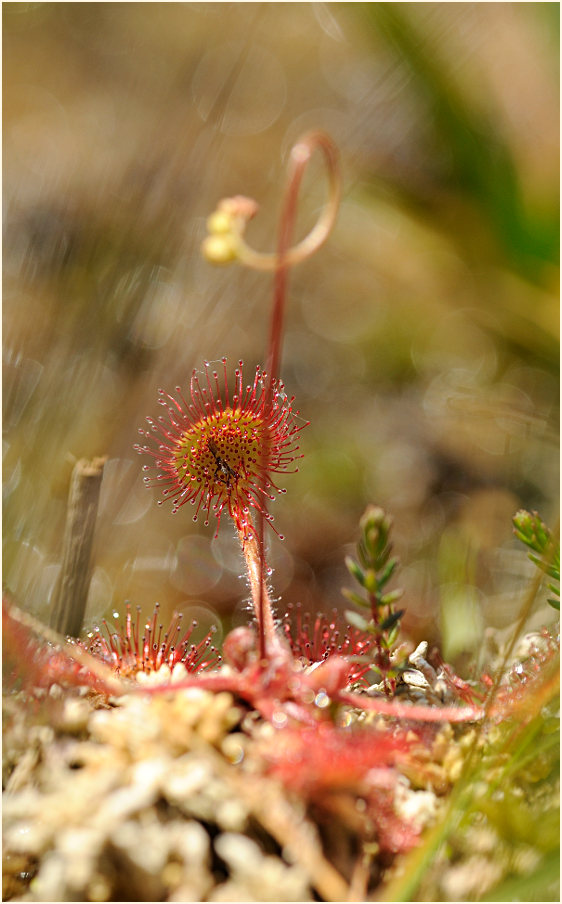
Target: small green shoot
{"x":529,"y":528}
{"x":372,"y":570}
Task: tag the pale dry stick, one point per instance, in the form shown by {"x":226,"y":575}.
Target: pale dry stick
{"x":295,"y":835}
{"x":71,"y":593}
{"x":270,"y":806}
{"x":360,"y":877}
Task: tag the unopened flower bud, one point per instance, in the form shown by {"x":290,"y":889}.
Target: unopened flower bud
{"x":219,"y":223}
{"x":220,"y":249}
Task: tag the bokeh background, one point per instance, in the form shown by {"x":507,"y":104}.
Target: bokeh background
{"x":421,"y":340}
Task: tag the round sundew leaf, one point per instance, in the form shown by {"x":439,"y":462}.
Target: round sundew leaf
{"x":220,"y":450}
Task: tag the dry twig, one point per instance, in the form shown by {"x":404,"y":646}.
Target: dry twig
{"x":71,"y":593}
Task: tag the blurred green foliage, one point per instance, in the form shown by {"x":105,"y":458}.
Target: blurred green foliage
{"x":480,"y":166}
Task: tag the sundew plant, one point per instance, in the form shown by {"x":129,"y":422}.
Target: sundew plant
{"x":315,"y":756}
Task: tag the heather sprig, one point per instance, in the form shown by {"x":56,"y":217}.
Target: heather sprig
{"x":373,"y":569}
{"x":533,"y":532}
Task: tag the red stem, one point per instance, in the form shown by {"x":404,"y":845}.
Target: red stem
{"x":299,"y":159}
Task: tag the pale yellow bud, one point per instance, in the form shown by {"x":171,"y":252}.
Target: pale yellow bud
{"x":219,"y":223}
{"x":220,"y":249}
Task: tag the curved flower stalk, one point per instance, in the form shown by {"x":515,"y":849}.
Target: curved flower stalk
{"x":227,"y":224}
{"x":225,"y":242}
